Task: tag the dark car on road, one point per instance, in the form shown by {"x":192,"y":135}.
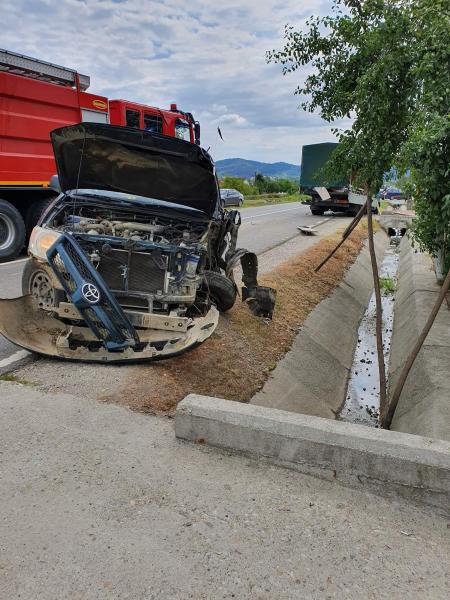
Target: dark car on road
{"x":231,"y":197}
{"x":392,"y":193}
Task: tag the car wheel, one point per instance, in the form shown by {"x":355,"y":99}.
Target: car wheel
{"x":241,"y":202}
{"x":37,"y":281}
{"x":318,"y":212}
{"x":221,"y":290}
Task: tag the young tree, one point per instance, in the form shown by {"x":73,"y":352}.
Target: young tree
{"x":427,"y":150}
{"x":360,"y":68}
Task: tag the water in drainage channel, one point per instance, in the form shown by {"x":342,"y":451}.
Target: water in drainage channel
{"x":362,"y":402}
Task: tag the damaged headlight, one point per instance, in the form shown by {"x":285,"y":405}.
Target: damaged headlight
{"x":41,"y":239}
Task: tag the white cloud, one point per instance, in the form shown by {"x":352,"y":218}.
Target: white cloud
{"x":207,"y":57}
{"x":231,"y":119}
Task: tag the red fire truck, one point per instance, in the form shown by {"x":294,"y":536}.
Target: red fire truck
{"x":35,"y":98}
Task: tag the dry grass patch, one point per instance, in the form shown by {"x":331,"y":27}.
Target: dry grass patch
{"x":235,"y":362}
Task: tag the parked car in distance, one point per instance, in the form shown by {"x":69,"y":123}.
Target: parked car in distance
{"x":392,"y":193}
{"x":231,"y":197}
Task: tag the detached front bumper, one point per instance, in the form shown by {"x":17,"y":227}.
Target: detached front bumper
{"x":33,"y":329}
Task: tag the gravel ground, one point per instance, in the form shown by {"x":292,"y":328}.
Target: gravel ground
{"x":101,"y":503}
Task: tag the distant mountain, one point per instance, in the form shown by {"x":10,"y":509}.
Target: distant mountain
{"x":240,"y":167}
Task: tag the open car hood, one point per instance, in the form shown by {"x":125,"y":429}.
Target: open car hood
{"x":121,"y":159}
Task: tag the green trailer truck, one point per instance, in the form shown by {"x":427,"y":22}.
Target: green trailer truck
{"x":336,"y":196}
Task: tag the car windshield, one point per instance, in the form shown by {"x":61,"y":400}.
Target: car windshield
{"x":224,"y":191}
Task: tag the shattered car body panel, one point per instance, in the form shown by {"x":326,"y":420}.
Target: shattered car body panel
{"x":134,"y":260}
{"x":40,"y":332}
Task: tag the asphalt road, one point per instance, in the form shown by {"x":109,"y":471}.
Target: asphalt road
{"x":267,"y":226}
{"x":262,"y":228}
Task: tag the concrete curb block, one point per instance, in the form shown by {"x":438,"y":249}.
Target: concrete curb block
{"x":328,"y":337}
{"x":384,"y":461}
{"x":424,"y":406}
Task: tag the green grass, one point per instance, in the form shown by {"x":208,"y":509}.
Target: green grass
{"x":387,"y":284}
{"x":15,"y":379}
{"x":274,"y":199}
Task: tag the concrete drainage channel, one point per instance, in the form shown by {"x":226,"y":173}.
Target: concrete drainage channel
{"x":362,"y":403}
{"x":310,"y":383}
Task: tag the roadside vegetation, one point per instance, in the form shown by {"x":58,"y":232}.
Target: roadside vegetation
{"x":387,"y":285}
{"x":385,"y":62}
{"x":261,"y":190}
{"x":13,"y":378}
{"x":269,"y":199}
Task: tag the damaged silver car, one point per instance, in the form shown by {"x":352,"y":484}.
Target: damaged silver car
{"x":135,"y":258}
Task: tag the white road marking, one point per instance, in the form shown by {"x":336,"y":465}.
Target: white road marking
{"x":19,"y":355}
{"x":272,"y":212}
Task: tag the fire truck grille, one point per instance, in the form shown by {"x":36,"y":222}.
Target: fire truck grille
{"x":142,"y":272}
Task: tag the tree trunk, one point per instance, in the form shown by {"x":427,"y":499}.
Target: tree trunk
{"x":379,"y":308}
{"x":345,"y":235}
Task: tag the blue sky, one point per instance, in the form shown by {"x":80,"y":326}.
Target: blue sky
{"x":206,"y":56}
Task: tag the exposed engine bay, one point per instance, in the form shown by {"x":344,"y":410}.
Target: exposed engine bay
{"x":115,"y":275}
{"x":149,"y":262}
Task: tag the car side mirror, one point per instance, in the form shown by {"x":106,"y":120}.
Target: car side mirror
{"x":197,"y":132}
{"x":54,"y":184}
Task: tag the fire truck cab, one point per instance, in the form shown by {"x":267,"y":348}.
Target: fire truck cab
{"x":174,"y":122}
{"x":37,"y":97}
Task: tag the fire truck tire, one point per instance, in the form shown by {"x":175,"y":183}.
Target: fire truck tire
{"x":12,"y":231}
{"x":222,"y":290}
{"x":35,"y":211}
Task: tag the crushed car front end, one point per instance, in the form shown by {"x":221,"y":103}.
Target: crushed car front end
{"x":135,"y":258}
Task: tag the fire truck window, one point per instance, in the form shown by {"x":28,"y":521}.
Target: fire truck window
{"x":182,"y":130}
{"x":133,"y":117}
{"x":152,"y":123}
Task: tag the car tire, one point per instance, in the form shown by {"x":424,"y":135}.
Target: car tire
{"x":37,"y":280}
{"x":221,"y":290}
{"x":241,"y":202}
{"x":317,"y":212}
{"x":12,"y":231}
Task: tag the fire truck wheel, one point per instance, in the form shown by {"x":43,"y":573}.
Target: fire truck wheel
{"x":35,"y":211}
{"x":12,"y":231}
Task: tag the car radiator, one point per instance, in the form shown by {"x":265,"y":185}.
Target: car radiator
{"x":128,"y":271}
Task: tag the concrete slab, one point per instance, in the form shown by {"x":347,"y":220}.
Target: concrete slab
{"x":319,"y":396}
{"x":414,"y":467}
{"x":324,"y":346}
{"x":424,"y":406}
{"x":344,"y":307}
